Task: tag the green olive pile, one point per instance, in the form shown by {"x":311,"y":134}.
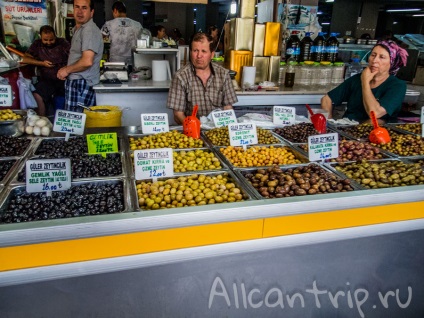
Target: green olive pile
{"x":220,"y":136}
{"x":193,"y":160}
{"x":415,"y":128}
{"x":171,"y":139}
{"x":193,"y":190}
{"x":274,"y":182}
{"x":363,"y":131}
{"x":298,"y":133}
{"x":375,"y":175}
{"x":405,"y":145}
{"x":354,"y":150}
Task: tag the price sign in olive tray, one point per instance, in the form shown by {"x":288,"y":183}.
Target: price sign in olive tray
{"x":243,"y":134}
{"x":422,"y":115}
{"x":223,"y":118}
{"x":153,"y":163}
{"x":69,"y":122}
{"x":154,"y":123}
{"x":45,"y":175}
{"x":321,"y":147}
{"x":284,"y":116}
{"x":102,"y":143}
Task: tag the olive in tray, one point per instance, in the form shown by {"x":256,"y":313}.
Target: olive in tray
{"x":405,"y":145}
{"x":221,"y":137}
{"x":80,"y":200}
{"x":275,"y":182}
{"x":13,"y":146}
{"x":5,"y":166}
{"x":415,"y":128}
{"x":362,"y":131}
{"x":171,"y":139}
{"x":298,"y":133}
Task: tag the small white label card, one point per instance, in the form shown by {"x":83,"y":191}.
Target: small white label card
{"x":321,"y":147}
{"x":153,"y":163}
{"x":154,"y":123}
{"x":422,"y":115}
{"x":243,"y":134}
{"x":223,"y":118}
{"x":69,"y":122}
{"x":46,"y":175}
{"x":284,"y":116}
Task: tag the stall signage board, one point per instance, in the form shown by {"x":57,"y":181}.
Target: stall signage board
{"x":154,"y":123}
{"x":153,"y":163}
{"x":321,"y":147}
{"x":45,"y":175}
{"x":5,"y":95}
{"x":223,"y":118}
{"x":284,"y":116}
{"x":243,"y":134}
{"x":69,"y":122}
{"x":102,"y":143}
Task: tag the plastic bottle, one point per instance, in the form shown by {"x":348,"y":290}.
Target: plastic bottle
{"x":325,"y":73}
{"x":306,"y":73}
{"x":306,"y":47}
{"x":282,"y":73}
{"x":337,"y":76}
{"x":293,"y":47}
{"x":315,"y":81}
{"x":298,"y":73}
{"x":354,"y":68}
{"x":290,"y":72}
{"x":331,"y":48}
{"x":318,"y":48}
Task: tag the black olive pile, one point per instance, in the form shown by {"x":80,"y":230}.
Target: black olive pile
{"x":362,"y":131}
{"x":59,"y":148}
{"x":310,"y":179}
{"x":90,"y":166}
{"x":5,"y":167}
{"x":298,"y":133}
{"x":12,"y":146}
{"x":82,"y":200}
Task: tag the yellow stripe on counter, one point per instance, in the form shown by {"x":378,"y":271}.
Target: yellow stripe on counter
{"x":62,"y":252}
{"x":339,"y":219}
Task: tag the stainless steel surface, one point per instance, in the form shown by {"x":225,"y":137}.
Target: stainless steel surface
{"x":14,"y":128}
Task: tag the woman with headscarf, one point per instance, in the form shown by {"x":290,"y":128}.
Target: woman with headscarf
{"x":376,"y":88}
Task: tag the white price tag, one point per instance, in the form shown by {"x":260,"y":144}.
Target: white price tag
{"x":153,"y":163}
{"x":321,"y":147}
{"x":45,"y":175}
{"x":6,"y":94}
{"x":242,"y":134}
{"x":422,"y":130}
{"x":69,"y":122}
{"x":223,"y":118}
{"x":154,"y":123}
{"x":422,"y":115}
{"x":284,"y":116}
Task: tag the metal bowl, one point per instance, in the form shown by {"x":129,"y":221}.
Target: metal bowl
{"x":14,"y":128}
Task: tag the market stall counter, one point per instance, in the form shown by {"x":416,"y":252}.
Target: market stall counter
{"x":247,"y":256}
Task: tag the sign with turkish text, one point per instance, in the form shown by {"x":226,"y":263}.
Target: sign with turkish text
{"x":153,"y":163}
{"x":321,"y":147}
{"x":45,"y":175}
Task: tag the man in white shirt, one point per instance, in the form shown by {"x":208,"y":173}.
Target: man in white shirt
{"x":123,"y":33}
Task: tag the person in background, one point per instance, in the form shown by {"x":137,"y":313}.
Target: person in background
{"x":200,"y":82}
{"x":159,"y":33}
{"x":83,"y":69}
{"x":122,"y":32}
{"x":376,"y":88}
{"x":178,"y":37}
{"x":49,"y":53}
{"x":213,"y":31}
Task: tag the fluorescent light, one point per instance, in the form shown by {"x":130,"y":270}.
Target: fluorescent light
{"x":395,"y":22}
{"x":402,"y":10}
{"x":329,"y":0}
{"x":319,"y":12}
{"x":418,"y":15}
{"x":325,"y":23}
{"x":233,"y":7}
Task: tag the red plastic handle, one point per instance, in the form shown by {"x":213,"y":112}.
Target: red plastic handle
{"x":309,"y":109}
{"x":374,"y":119}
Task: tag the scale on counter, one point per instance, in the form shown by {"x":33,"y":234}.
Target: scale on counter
{"x":114,"y":71}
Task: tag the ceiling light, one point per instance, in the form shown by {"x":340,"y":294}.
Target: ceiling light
{"x":325,"y":23}
{"x":319,"y":12}
{"x":395,"y":22}
{"x":402,"y":10}
{"x":329,"y":0}
{"x":233,"y":7}
{"x":418,"y":15}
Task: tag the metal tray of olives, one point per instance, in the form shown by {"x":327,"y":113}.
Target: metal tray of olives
{"x":361,"y":132}
{"x":294,"y":130}
{"x":184,"y":144}
{"x":407,"y":128}
{"x":295,"y":182}
{"x":300,"y":157}
{"x":112,"y":161}
{"x":15,"y":146}
{"x":181,"y":198}
{"x":376,"y":178}
{"x":177,"y":171}
{"x":87,"y":201}
{"x":7,"y":168}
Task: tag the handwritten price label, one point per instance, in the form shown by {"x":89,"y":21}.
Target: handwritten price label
{"x":47,"y":175}
{"x":154,"y":123}
{"x":153,"y":163}
{"x":422,"y":115}
{"x":243,"y":134}
{"x":223,"y":118}
{"x":69,"y":122}
{"x":284,"y":116}
{"x":322,"y":147}
{"x":102,"y":143}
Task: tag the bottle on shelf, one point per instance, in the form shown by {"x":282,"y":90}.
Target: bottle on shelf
{"x":293,"y":47}
{"x":337,"y":77}
{"x":331,"y":48}
{"x":315,"y":80}
{"x":290,"y":72}
{"x":306,"y":47}
{"x":306,"y":73}
{"x":325,"y":73}
{"x":298,"y":73}
{"x":282,"y":73}
{"x":318,"y":47}
{"x":354,"y":68}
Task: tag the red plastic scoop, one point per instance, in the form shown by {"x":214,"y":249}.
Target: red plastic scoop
{"x":191,"y":124}
{"x":378,"y":135}
{"x":318,"y":120}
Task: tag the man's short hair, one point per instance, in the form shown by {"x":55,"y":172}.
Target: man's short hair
{"x":119,"y":6}
{"x":199,"y":37}
{"x":47,"y":29}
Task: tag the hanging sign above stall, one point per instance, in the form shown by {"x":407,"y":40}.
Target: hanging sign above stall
{"x":321,"y":147}
{"x":284,"y":116}
{"x":154,"y":123}
{"x":223,"y":118}
{"x":153,"y":163}
{"x":46,"y":175}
